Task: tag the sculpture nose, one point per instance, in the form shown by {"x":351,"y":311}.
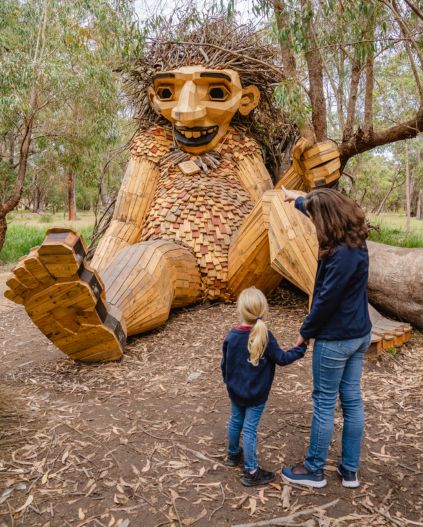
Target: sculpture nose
{"x":188,"y":108}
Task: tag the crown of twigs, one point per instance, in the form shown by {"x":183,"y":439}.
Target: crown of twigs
{"x":221,"y":44}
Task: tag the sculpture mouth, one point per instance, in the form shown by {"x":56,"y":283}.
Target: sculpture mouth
{"x":197,"y":136}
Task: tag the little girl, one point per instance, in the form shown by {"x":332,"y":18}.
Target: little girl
{"x":250,"y":353}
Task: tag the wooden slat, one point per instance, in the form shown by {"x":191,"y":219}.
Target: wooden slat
{"x":293,"y":248}
{"x":132,"y":205}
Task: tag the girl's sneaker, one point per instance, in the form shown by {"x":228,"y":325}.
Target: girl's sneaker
{"x":309,"y":479}
{"x":233,"y":460}
{"x":260,"y":477}
{"x":349,"y":478}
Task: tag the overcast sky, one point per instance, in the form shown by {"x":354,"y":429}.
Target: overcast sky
{"x":148,"y":8}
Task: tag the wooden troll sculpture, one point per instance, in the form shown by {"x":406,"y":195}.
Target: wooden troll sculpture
{"x":197,"y":217}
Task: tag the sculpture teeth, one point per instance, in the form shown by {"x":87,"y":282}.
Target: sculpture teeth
{"x":198,"y":133}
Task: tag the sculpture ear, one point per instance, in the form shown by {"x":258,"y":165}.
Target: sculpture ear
{"x":249,"y":100}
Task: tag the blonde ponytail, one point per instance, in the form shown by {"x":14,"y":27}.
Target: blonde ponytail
{"x":252,"y":306}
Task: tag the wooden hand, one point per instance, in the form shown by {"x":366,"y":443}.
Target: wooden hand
{"x":319,"y":164}
{"x":312,"y":166}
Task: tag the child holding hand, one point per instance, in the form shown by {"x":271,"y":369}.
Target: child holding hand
{"x":250,"y":353}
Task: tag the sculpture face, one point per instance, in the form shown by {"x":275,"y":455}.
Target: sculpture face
{"x":200,"y":102}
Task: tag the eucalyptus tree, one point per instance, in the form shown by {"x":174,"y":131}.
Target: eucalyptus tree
{"x":331,"y":55}
{"x":57,"y":86}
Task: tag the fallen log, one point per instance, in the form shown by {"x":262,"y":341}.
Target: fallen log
{"x":396,"y":281}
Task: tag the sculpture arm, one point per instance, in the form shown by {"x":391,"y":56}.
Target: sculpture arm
{"x":254,"y":176}
{"x":312,"y":167}
{"x":132,"y":204}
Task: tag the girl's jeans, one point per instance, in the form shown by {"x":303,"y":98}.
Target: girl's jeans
{"x":247,"y":419}
{"x":337,"y":367}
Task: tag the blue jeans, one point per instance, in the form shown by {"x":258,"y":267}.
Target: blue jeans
{"x":337,"y":367}
{"x":246,"y":419}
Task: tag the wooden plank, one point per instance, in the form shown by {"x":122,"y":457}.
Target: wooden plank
{"x":323,"y":171}
{"x":321,"y":159}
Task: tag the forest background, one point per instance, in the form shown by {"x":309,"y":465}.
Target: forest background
{"x":352,"y":69}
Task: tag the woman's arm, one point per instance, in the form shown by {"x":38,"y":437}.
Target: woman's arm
{"x":291,"y":195}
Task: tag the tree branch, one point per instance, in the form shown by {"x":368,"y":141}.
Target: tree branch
{"x":414,"y":8}
{"x":358,"y":144}
{"x":15,"y":196}
{"x":405,"y":31}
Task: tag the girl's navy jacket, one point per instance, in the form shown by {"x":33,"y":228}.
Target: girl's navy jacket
{"x":250,"y":385}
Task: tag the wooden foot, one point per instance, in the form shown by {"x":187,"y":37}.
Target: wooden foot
{"x":144,"y":281}
{"x":66,"y":300}
{"x":393,"y":334}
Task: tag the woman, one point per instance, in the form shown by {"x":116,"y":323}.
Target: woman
{"x":340,"y":324}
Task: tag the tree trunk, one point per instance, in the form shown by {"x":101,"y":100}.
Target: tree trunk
{"x":407,"y":189}
{"x":12,"y":201}
{"x":71,"y":196}
{"x":315,"y":75}
{"x":288,"y":60}
{"x":396,"y":281}
{"x":3,"y":229}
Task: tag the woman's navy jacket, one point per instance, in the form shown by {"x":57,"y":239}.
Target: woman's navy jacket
{"x":339,"y":309}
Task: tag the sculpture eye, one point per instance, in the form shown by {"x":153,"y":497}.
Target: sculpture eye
{"x":218,"y":93}
{"x":164,"y":93}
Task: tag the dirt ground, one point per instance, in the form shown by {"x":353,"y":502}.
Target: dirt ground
{"x":141,"y":443}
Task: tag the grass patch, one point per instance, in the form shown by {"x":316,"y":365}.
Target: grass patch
{"x":398,"y":237}
{"x":21,"y":238}
{"x":392,"y":351}
{"x":46,"y":218}
{"x":391,"y":229}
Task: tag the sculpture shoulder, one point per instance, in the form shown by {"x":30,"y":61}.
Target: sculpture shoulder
{"x":239,"y":144}
{"x":152,"y":144}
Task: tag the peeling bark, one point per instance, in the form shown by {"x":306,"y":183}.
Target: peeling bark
{"x":396,"y":281}
{"x":317,"y":94}
{"x":71,"y":196}
{"x":352,"y":101}
{"x":288,"y":61}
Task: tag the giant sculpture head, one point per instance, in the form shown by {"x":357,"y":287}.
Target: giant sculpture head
{"x":200,"y":81}
{"x":200,"y":103}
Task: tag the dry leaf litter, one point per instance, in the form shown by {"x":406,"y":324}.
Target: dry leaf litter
{"x":141,"y":443}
